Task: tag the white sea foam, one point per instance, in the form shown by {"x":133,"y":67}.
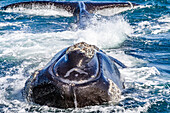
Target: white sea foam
{"x":3,"y":24}
{"x":20,"y":43}
{"x":157,"y":26}
{"x":128,"y":60}
{"x":141,"y":74}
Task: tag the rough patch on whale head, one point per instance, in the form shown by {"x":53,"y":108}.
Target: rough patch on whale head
{"x":114,"y":91}
{"x":84,"y":48}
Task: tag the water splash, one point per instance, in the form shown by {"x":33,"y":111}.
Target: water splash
{"x":104,"y":33}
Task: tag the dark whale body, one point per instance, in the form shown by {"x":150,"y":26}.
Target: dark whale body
{"x":78,"y":76}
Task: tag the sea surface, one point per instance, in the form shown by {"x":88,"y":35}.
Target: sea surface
{"x":138,"y":37}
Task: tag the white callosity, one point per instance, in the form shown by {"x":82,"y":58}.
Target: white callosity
{"x":114,"y":91}
{"x":88,"y":50}
{"x":77,"y":70}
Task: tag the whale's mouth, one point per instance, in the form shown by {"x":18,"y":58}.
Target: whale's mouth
{"x":79,"y":65}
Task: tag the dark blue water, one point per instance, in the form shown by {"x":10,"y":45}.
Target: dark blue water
{"x":138,"y":37}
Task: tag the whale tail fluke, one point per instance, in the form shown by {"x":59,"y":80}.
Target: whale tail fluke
{"x":72,"y":7}
{"x":83,"y":11}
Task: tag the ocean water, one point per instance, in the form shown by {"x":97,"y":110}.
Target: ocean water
{"x":138,"y":37}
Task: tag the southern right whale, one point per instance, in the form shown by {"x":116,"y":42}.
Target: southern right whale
{"x":78,"y":76}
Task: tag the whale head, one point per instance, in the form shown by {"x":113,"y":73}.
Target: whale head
{"x":78,"y":76}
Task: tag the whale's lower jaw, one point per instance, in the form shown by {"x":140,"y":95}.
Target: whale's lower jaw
{"x":69,"y":96}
